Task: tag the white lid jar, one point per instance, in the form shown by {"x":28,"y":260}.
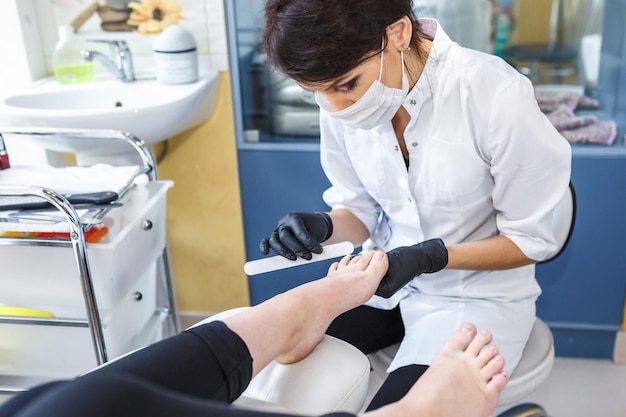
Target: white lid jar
{"x":176,"y":56}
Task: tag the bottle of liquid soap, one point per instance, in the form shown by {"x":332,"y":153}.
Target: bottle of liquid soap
{"x":69,"y":65}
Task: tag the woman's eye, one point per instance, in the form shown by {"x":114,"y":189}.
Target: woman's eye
{"x":349,"y":86}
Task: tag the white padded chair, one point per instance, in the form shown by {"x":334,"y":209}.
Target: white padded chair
{"x":538,"y":356}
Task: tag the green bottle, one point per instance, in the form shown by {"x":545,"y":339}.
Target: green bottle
{"x":503,"y":29}
{"x":69,"y":65}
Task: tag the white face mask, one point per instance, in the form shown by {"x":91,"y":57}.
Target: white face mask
{"x":378,"y":105}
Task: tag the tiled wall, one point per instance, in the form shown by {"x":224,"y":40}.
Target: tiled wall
{"x":216,"y":22}
{"x":205,"y":19}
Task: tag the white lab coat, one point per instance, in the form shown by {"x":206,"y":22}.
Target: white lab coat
{"x":484,"y":160}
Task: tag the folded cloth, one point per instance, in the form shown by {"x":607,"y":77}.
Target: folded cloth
{"x":602,"y":133}
{"x":551,"y":100}
{"x":564,"y":118}
{"x":115,"y":20}
{"x":65,"y":180}
{"x":588,"y":103}
{"x":73,"y":179}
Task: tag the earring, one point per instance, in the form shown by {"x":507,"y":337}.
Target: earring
{"x":407,"y":48}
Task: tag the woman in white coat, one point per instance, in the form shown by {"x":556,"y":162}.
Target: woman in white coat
{"x":438,"y":155}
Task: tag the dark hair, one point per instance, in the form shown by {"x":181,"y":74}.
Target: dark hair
{"x":316,"y":41}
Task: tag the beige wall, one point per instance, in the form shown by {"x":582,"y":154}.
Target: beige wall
{"x":204,"y":220}
{"x":532,"y":20}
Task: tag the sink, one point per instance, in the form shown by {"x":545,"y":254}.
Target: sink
{"x":151,"y":111}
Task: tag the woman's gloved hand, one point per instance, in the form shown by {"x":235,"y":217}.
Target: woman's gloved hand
{"x":299,"y":234}
{"x":407,"y":262}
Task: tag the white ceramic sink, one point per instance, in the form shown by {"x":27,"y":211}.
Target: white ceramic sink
{"x":146,"y":108}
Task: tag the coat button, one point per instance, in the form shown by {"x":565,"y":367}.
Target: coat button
{"x":414,"y":144}
{"x":413,"y":102}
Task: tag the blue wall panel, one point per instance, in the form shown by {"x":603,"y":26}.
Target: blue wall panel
{"x":274,"y":183}
{"x":584,"y":289}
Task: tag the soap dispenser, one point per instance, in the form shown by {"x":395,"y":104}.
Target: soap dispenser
{"x":69,"y":65}
{"x":176,"y":56}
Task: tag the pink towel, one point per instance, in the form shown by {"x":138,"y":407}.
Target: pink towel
{"x":564,"y":118}
{"x":602,"y":133}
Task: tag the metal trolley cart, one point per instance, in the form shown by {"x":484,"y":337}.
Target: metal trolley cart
{"x":77,"y":298}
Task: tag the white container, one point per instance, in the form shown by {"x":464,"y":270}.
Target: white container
{"x":48,"y":276}
{"x":176,"y":56}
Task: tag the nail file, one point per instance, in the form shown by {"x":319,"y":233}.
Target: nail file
{"x":278,"y":262}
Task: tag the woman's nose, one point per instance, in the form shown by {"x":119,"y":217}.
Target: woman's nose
{"x":338,"y":101}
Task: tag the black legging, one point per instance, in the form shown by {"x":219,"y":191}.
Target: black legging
{"x":198,"y":372}
{"x":371,"y":329}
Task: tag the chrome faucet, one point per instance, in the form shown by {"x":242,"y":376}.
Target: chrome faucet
{"x":122,"y":63}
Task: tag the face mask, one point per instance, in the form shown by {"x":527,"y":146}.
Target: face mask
{"x":378,"y":105}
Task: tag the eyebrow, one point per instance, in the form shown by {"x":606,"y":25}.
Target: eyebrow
{"x":343,"y":82}
{"x":340,"y":82}
{"x":337,"y":83}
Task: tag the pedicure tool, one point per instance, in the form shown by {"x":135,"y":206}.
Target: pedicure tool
{"x":275,"y":263}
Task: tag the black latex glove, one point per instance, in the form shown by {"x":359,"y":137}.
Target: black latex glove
{"x":407,"y":262}
{"x":299,"y":234}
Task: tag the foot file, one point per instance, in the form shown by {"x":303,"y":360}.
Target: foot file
{"x":276,"y":263}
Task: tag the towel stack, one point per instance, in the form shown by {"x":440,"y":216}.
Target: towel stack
{"x":559,"y":108}
{"x":115,"y":20}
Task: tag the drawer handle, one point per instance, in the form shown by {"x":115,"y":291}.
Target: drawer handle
{"x":146,"y":225}
{"x":137,"y":296}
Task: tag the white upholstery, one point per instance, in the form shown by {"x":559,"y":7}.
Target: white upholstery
{"x":534,"y":367}
{"x":334,"y":377}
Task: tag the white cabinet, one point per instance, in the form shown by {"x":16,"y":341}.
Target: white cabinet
{"x":106,"y":298}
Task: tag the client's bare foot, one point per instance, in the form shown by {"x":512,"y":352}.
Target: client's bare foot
{"x":464,"y":380}
{"x":288,"y":326}
{"x":349,"y":283}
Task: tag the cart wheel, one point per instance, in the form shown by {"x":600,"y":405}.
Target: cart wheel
{"x":525,"y":410}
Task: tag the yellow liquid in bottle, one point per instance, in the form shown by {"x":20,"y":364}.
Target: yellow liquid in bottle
{"x":74,"y":73}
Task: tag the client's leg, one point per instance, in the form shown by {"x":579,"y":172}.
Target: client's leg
{"x":290,"y":325}
{"x":465,"y":380}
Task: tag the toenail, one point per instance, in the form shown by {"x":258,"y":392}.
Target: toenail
{"x":378,"y":254}
{"x":466,"y":329}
